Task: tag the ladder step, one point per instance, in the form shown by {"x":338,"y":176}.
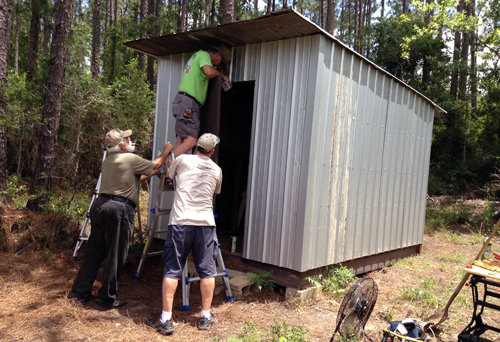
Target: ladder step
{"x":155,"y":253}
{"x":160,"y":232}
{"x":221,"y":274}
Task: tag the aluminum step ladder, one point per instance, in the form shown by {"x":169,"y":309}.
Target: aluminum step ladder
{"x":186,"y":280}
{"x":221,"y":272}
{"x":153,"y":231}
{"x":83,"y":235}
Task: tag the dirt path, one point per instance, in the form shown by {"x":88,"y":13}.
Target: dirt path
{"x":34,"y":304}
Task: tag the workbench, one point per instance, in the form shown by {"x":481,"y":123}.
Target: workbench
{"x":491,"y":283}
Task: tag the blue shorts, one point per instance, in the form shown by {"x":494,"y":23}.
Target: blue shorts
{"x":182,"y":239}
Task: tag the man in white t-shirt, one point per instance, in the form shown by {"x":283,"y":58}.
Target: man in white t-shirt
{"x":191,"y":228}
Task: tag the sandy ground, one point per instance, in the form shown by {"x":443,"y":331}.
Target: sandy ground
{"x":34,"y":303}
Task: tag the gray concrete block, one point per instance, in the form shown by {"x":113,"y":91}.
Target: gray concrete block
{"x":309,"y":293}
{"x":240,"y":285}
{"x":233,"y":273}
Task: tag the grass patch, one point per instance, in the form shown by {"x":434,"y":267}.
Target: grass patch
{"x":457,"y":257}
{"x":425,"y":293}
{"x":336,"y":282}
{"x":277,"y":333}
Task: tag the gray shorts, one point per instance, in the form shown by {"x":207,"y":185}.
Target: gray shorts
{"x":187,"y":116}
{"x":181,"y":240}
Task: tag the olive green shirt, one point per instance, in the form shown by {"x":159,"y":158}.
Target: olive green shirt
{"x":121,"y":173}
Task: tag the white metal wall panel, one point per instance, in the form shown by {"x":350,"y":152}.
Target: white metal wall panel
{"x":369,"y":160}
{"x":273,"y":227}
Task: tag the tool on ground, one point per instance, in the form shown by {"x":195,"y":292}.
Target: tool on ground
{"x":442,"y":315}
{"x":186,"y":280}
{"x":83,"y":235}
{"x":356,"y":309}
{"x":410,"y":329}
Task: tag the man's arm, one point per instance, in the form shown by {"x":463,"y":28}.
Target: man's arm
{"x":212,"y":72}
{"x":159,"y":161}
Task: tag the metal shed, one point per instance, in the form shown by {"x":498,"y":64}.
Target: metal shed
{"x":325,"y":153}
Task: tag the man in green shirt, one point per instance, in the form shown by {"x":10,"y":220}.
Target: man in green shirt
{"x":192,"y":93}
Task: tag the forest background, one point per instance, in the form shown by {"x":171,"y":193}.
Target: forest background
{"x":66,"y":79}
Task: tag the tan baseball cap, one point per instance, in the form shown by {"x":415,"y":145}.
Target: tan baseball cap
{"x":115,"y":136}
{"x":208,"y":141}
{"x":225,"y":52}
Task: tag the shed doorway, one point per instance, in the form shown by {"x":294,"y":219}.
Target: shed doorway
{"x":235,"y":132}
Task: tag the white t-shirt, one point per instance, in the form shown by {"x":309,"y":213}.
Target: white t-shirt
{"x":198,"y":179}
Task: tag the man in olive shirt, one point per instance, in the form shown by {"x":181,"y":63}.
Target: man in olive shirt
{"x":112,"y":218}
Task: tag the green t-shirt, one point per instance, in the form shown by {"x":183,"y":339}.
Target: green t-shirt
{"x":121,"y":173}
{"x":194,"y":81}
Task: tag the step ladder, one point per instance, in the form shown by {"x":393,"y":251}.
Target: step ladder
{"x":83,"y":236}
{"x":222,"y":272}
{"x":186,"y":280}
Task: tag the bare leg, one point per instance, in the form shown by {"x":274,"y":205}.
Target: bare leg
{"x":207,"y":287}
{"x":184,"y":145}
{"x":168,"y":291}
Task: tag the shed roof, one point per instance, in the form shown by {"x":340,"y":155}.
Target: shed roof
{"x":270,"y":27}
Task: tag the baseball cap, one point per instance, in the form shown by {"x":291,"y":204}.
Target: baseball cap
{"x":225,"y":52}
{"x":208,"y":141}
{"x":115,"y":136}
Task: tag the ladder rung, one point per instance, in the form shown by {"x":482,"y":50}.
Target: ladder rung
{"x":221,"y":274}
{"x":160,"y":232}
{"x":163,"y":211}
{"x":155,"y":253}
{"x":83,"y":238}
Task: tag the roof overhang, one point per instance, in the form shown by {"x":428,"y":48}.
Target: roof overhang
{"x":267,"y":28}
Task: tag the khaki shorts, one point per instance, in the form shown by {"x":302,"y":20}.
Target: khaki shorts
{"x":187,"y":116}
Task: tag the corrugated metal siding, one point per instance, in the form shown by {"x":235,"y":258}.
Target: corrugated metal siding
{"x":369,"y":161}
{"x":339,"y":153}
{"x":274,"y":225}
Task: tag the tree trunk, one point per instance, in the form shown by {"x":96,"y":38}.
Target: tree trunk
{"x":330,"y":16}
{"x":96,"y":39}
{"x":5,"y":23}
{"x":456,"y":52}
{"x":16,"y":38}
{"x":212,"y":14}
{"x":473,"y":68}
{"x":228,"y":15}
{"x":465,"y":56}
{"x":208,"y":3}
{"x":34,"y":36}
{"x":182,"y":19}
{"x":404,"y":6}
{"x":47,"y":30}
{"x":142,"y":15}
{"x":382,"y":8}
{"x":151,"y":60}
{"x":321,"y":13}
{"x":158,"y":16}
{"x":285,"y":4}
{"x":52,"y":104}
{"x":269,"y":6}
{"x":113,"y":43}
